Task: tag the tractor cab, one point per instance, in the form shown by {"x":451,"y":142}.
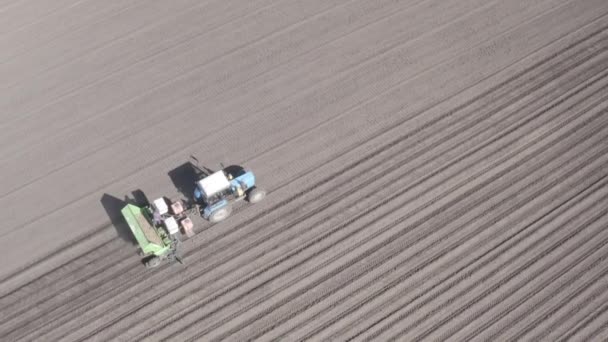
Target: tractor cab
{"x":212,"y":188}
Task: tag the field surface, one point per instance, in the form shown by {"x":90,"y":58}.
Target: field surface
{"x":435,"y":169}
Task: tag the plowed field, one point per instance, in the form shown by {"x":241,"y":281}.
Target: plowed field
{"x":435,"y":169}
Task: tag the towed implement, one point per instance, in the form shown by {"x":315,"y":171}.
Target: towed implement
{"x":156,"y":228}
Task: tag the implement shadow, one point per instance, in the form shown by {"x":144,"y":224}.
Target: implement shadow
{"x":112,"y":206}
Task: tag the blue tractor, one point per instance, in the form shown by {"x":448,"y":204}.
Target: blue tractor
{"x":216,"y":191}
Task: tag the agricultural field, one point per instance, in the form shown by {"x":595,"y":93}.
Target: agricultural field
{"x":435,"y":169}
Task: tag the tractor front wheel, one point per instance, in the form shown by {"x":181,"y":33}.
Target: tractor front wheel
{"x":256,"y":195}
{"x":220,"y":214}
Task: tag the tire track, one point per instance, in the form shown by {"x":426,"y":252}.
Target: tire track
{"x":551,"y":278}
{"x":29,"y":111}
{"x":541,"y":254}
{"x":157,"y":121}
{"x":486,"y":259}
{"x":580,"y":324}
{"x":267,"y":34}
{"x":239,"y":93}
{"x":93,"y":20}
{"x":184,"y":110}
{"x":55,"y":253}
{"x":91,"y":266}
{"x":603,"y":245}
{"x":50,"y":13}
{"x":378,"y":187}
{"x":258,"y":228}
{"x":96,"y":49}
{"x":588,"y":324}
{"x":41,"y":311}
{"x":567,"y":287}
{"x":485,"y":247}
{"x":212,"y":252}
{"x":592,"y":298}
{"x":385,"y":285}
{"x":255,"y":124}
{"x":571,"y":313}
{"x":275,"y":318}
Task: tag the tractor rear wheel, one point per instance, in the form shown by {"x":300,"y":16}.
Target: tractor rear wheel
{"x":255,"y":195}
{"x":152,"y":262}
{"x":220,"y":214}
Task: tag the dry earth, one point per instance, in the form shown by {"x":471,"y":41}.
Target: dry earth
{"x":436,"y":169}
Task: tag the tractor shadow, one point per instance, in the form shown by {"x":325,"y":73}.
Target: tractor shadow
{"x":114,"y":205}
{"x":184,"y":178}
